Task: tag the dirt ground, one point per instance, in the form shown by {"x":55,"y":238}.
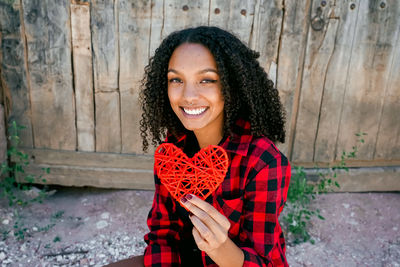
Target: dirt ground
{"x":93,"y":227}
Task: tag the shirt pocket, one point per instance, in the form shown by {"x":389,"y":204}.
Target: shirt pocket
{"x":232,"y":209}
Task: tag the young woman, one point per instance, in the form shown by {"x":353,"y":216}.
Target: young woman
{"x":205,"y":87}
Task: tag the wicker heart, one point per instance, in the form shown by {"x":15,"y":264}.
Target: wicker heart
{"x":199,"y":175}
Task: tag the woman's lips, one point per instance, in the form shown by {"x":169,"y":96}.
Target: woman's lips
{"x":194,"y":111}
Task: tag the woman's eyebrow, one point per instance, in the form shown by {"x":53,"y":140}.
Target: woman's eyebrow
{"x":201,"y":71}
{"x":208,"y":70}
{"x":174,"y":71}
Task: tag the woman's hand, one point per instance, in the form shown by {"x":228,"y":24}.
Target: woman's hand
{"x":211,"y":228}
{"x":210,"y":232}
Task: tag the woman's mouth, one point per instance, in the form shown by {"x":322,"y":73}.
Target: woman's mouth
{"x":194,"y":111}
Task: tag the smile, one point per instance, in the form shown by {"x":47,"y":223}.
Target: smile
{"x":194,"y":111}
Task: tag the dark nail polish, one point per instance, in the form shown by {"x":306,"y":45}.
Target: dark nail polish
{"x":189,"y":197}
{"x":183,"y":199}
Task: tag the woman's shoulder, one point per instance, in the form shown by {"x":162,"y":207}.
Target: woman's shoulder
{"x":264,"y":151}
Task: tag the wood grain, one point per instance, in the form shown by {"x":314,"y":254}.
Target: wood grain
{"x":134,"y":32}
{"x":47,"y":29}
{"x":179,"y":14}
{"x":388,"y":139}
{"x":13,"y":71}
{"x":290,"y":63}
{"x":83,"y":76}
{"x":373,"y":48}
{"x":320,"y":46}
{"x":336,"y":79}
{"x":104,"y":25}
{"x":156,"y":25}
{"x":234,"y":16}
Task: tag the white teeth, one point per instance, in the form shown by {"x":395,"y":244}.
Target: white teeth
{"x":196,"y":111}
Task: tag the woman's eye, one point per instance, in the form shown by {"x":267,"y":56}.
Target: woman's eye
{"x":208,"y":81}
{"x":175,"y":80}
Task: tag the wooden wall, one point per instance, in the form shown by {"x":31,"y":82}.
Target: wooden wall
{"x":72,"y":70}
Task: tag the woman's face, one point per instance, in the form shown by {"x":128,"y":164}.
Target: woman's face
{"x":194,"y":89}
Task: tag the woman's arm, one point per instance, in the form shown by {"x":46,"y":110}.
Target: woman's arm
{"x":164,"y":230}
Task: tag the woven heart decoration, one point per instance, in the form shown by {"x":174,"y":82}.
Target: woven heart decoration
{"x":199,"y":175}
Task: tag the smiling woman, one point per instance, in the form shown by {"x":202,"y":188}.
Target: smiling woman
{"x":205,"y":87}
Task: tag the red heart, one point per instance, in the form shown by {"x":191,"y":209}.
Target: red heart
{"x":199,"y":175}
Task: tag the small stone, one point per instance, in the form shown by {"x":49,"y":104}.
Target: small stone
{"x":86,"y":219}
{"x":345,"y":205}
{"x":394,"y":228}
{"x":23,"y":248}
{"x":102,"y":256}
{"x":59,"y":258}
{"x":105,"y":215}
{"x":5,"y":222}
{"x":2,"y":256}
{"x":84,"y":261}
{"x":35,"y":229}
{"x":101,"y":224}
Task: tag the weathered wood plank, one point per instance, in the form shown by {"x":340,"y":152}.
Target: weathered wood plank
{"x":134,"y":41}
{"x":104,"y":25}
{"x":108,"y":131}
{"x":364,"y":179}
{"x":335,"y":82}
{"x":265,"y":34}
{"x":290,"y":63}
{"x":49,"y":63}
{"x":110,"y":170}
{"x":83,"y":77}
{"x":157,"y":25}
{"x":320,"y":46}
{"x":180,"y":14}
{"x":234,"y":16}
{"x":388,"y":140}
{"x":96,"y":177}
{"x":89,"y":159}
{"x":374,"y":44}
{"x":13,"y":70}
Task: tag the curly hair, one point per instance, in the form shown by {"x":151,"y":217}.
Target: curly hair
{"x":246,"y":89}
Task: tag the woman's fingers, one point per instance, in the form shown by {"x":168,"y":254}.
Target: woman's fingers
{"x":205,"y":211}
{"x":201,"y":243}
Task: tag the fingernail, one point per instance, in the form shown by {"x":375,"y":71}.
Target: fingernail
{"x":183,"y":199}
{"x":189,"y":197}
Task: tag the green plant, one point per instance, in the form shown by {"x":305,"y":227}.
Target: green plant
{"x":20,"y":231}
{"x":57,"y":239}
{"x":301,"y":193}
{"x":10,"y":187}
{"x":53,"y":220}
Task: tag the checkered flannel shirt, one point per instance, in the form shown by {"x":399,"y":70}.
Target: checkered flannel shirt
{"x":251,"y":196}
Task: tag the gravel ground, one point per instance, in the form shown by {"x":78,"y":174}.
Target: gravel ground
{"x":93,"y":227}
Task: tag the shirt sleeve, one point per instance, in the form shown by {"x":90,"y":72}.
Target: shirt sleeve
{"x":265,"y":196}
{"x":164,"y":228}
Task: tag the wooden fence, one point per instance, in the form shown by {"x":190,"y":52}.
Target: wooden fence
{"x":71,"y":70}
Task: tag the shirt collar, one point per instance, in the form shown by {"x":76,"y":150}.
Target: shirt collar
{"x":238,"y":143}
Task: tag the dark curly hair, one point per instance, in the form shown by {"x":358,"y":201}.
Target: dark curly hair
{"x":247,"y":91}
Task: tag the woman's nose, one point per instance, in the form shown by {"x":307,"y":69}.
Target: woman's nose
{"x":190,"y":92}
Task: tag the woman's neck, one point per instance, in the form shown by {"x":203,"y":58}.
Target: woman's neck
{"x":206,"y":138}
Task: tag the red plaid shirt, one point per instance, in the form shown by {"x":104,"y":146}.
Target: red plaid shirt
{"x":251,"y":196}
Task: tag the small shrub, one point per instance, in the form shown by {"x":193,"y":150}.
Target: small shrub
{"x":10,"y":188}
{"x":301,"y":193}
